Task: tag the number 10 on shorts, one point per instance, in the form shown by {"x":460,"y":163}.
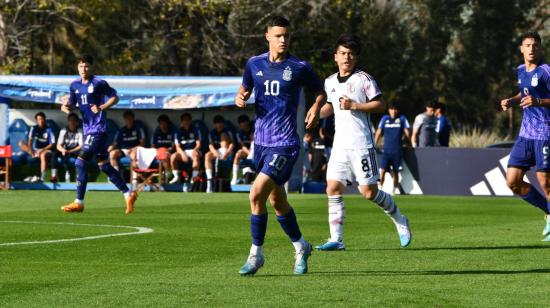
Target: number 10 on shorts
{"x":278,"y":162}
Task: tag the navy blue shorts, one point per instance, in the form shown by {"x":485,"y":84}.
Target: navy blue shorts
{"x":527,"y":153}
{"x":391,"y":159}
{"x":95,"y":145}
{"x":276,"y":162}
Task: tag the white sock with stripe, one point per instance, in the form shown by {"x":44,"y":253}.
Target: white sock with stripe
{"x":336,"y":217}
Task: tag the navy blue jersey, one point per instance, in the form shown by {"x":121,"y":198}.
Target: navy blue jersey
{"x":127,"y":138}
{"x":215,"y":137}
{"x":42,"y":137}
{"x":187,"y":139}
{"x":162,"y":140}
{"x":87,"y":94}
{"x":443,"y":130}
{"x":277,"y":87}
{"x":393,"y":128}
{"x":244,"y":138}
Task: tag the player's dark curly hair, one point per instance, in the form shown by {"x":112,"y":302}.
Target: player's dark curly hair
{"x":73,"y":115}
{"x":186,"y":115}
{"x":86,"y":59}
{"x":243,"y":118}
{"x":531,"y":34}
{"x":277,"y":21}
{"x":163,"y":118}
{"x":39,"y":114}
{"x":349,"y":41}
{"x":128,"y":113}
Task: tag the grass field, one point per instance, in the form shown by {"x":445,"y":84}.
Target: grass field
{"x":482,"y":252}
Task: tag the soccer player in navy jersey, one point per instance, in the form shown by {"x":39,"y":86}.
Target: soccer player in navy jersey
{"x":532,"y":148}
{"x":277,"y":78}
{"x":393,"y":127}
{"x":89,"y":93}
{"x":40,"y":145}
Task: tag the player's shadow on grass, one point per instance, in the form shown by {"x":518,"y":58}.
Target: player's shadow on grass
{"x":462,"y":248}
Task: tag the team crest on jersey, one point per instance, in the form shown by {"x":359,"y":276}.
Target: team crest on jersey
{"x":349,"y":88}
{"x":91,"y":88}
{"x":535,"y":80}
{"x":397,"y":121}
{"x":287,"y":74}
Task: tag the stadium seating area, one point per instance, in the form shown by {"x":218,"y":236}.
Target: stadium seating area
{"x":18,"y":131}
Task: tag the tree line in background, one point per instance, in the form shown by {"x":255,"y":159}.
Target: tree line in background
{"x":462,"y":52}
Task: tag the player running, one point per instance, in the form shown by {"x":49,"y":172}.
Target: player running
{"x":89,"y":93}
{"x":277,"y":78}
{"x":532,"y":148}
{"x":353,"y":153}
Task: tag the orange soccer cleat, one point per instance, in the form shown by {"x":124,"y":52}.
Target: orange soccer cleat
{"x":73,"y":207}
{"x":130,"y":201}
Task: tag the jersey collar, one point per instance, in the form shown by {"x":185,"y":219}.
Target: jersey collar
{"x":345,"y":78}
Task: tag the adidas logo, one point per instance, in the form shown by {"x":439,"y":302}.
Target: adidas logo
{"x":259,"y":73}
{"x":77,"y":92}
{"x":497,"y":182}
{"x":333,"y":90}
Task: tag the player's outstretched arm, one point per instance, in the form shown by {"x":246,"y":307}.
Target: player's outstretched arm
{"x":242,"y":96}
{"x":312,"y":116}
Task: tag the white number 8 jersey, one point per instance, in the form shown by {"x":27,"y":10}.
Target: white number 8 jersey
{"x":353,"y":129}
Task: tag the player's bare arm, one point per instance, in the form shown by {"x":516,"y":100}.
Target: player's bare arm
{"x":242,"y":96}
{"x":376,"y":105}
{"x":327,"y":110}
{"x":313,"y":114}
{"x":377,"y":136}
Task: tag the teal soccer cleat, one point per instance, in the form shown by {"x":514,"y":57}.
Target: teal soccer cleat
{"x":252,"y":265}
{"x":404,"y":231}
{"x":331,"y":246}
{"x":546,"y":230}
{"x":300,"y":267}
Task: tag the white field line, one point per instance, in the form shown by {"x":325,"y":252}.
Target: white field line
{"x":139,"y":230}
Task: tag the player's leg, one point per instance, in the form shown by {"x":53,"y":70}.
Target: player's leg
{"x":81,"y":166}
{"x":385,"y":166}
{"x":114,"y":176}
{"x":395,"y":165}
{"x":196,"y":160}
{"x":337,"y":174}
{"x":25,"y":147}
{"x":366,"y":172}
{"x":43,"y":164}
{"x":543,"y":178}
{"x":208,"y":166}
{"x":175,"y":159}
{"x":241,"y":154}
{"x":114,"y":156}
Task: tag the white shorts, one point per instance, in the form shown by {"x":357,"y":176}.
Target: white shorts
{"x":349,"y":165}
{"x":189,"y":153}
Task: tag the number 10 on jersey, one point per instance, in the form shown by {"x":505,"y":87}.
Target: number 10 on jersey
{"x":272,"y":87}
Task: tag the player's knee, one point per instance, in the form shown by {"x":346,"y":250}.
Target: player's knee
{"x":369,"y":192}
{"x":514,"y":185}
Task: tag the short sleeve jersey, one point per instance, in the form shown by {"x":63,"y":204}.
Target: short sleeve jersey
{"x":427,"y":134}
{"x":393,"y":129}
{"x":277,"y":87}
{"x":215,"y":137}
{"x":353,"y":129}
{"x":162,"y":139}
{"x":70,"y":139}
{"x":536,"y":119}
{"x":187,"y":139}
{"x":244,"y":138}
{"x":42,"y":137}
{"x":128,"y":138}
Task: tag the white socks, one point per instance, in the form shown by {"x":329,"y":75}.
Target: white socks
{"x":54,"y":172}
{"x":208,"y":174}
{"x":79,"y":202}
{"x":235,"y":172}
{"x":194,"y":174}
{"x":336,"y":217}
{"x":126,"y":194}
{"x":257,"y":250}
{"x":300,"y":244}
{"x":385,"y":201}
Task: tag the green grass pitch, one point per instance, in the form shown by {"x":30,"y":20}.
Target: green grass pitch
{"x":483,"y":252}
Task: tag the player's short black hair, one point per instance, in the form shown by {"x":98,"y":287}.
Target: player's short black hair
{"x":393,"y":105}
{"x":186,"y":115}
{"x":277,"y":21}
{"x":73,"y":115}
{"x":531,"y":34}
{"x":441,"y":107}
{"x":163,"y":118}
{"x":39,"y":114}
{"x":128,"y":113}
{"x":431,"y":104}
{"x":243,"y":118}
{"x":349,"y":41}
{"x":219,"y":119}
{"x":85,"y":58}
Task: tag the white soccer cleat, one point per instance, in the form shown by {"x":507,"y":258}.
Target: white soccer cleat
{"x":546,"y":230}
{"x":174,"y":180}
{"x":404,"y":231}
{"x":252,"y":265}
